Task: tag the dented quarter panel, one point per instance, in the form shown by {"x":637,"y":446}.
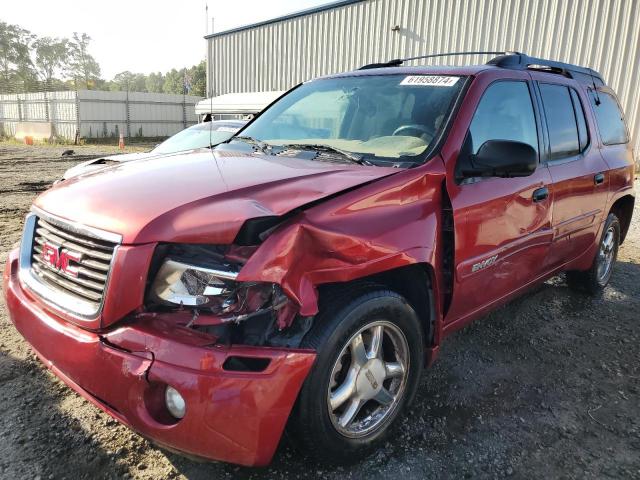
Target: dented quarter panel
{"x":381,"y":226}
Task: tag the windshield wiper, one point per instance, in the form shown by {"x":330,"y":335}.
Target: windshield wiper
{"x":262,"y":146}
{"x":354,"y":157}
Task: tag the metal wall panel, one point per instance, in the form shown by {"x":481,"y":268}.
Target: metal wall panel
{"x":602,"y":34}
{"x":101,"y":114}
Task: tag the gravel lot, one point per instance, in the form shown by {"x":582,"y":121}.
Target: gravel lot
{"x":546,"y":387}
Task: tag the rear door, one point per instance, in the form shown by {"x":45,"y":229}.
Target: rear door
{"x":578,"y":172}
{"x":502,"y":225}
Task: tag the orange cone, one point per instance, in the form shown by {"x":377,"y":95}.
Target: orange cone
{"x":121,"y":142}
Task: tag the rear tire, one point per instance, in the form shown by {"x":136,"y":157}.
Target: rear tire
{"x":369,"y":345}
{"x":597,"y":277}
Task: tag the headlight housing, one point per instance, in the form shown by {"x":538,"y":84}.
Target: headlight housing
{"x":179,"y":283}
{"x":203,"y":278}
{"x":200,"y":278}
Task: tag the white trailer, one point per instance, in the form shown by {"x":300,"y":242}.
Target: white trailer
{"x":234,"y":105}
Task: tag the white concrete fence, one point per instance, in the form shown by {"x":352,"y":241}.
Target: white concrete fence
{"x":98,"y":114}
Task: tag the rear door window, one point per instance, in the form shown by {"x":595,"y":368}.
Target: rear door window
{"x":609,"y":118}
{"x":561,"y":121}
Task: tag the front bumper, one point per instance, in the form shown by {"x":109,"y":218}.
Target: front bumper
{"x":232,"y":416}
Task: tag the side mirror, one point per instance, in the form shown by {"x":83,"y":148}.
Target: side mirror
{"x":502,"y":158}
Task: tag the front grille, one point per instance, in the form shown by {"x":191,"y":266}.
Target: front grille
{"x":72,"y":264}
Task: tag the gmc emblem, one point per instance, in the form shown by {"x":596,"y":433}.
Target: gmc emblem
{"x":60,"y":259}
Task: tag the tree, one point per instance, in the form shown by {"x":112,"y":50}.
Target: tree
{"x":191,"y":81}
{"x":121,"y":81}
{"x":173,"y":81}
{"x":16,"y":68}
{"x":29,"y":63}
{"x":51,"y":58}
{"x":83,"y":68}
{"x":154,"y":82}
{"x":198,"y":74}
{"x":139,"y":83}
{"x":127,"y":81}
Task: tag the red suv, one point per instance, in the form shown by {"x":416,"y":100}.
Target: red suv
{"x":305,"y":272}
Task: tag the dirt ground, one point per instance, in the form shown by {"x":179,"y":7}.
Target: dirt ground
{"x":546,"y":387}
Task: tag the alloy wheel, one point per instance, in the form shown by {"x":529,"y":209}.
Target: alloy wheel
{"x":606,"y":254}
{"x":368,"y":379}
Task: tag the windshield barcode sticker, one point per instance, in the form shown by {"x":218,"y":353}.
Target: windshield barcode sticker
{"x":430,"y":80}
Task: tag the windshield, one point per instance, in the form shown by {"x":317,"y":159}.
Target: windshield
{"x":197,"y":136}
{"x":382,"y":118}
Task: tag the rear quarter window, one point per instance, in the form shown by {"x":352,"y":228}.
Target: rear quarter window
{"x":583,"y":131}
{"x":609,"y":118}
{"x":561,"y":121}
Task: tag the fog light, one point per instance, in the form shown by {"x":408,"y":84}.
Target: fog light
{"x":175,"y":402}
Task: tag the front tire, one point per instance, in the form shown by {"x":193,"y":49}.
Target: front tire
{"x":597,"y":277}
{"x":369,"y":345}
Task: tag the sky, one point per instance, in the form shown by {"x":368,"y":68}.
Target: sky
{"x":143,"y":36}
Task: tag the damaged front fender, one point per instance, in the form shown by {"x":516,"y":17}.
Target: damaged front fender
{"x":387,"y":224}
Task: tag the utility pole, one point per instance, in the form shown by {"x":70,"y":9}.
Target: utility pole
{"x":208,"y":80}
{"x":206,"y":18}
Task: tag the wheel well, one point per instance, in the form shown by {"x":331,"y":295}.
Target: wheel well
{"x":623,"y":208}
{"x":413,"y":282}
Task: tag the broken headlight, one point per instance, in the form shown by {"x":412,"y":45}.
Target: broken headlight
{"x":211,"y":290}
{"x":203,"y":278}
{"x":178,"y":283}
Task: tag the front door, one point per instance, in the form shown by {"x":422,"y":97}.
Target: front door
{"x":502,"y":225}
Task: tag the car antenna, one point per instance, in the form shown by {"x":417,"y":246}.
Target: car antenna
{"x":211,"y":121}
{"x":595,"y":89}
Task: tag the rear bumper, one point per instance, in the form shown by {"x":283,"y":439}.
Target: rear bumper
{"x":231,"y":416}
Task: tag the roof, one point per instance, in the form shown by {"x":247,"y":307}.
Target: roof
{"x":237,"y":103}
{"x":301,"y":13}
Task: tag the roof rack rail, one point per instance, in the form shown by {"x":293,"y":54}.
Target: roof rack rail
{"x":521,"y":61}
{"x":399,"y":61}
{"x":512,"y":60}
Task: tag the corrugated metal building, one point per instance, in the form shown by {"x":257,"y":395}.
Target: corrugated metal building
{"x":98,"y":114}
{"x":278,"y":54}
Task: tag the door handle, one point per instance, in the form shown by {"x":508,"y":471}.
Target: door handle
{"x":540,"y":194}
{"x":598,"y":179}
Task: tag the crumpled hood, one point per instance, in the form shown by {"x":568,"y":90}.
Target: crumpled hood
{"x":198,"y":197}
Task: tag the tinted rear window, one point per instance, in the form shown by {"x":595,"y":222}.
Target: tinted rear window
{"x":561,"y":120}
{"x":610,"y":119}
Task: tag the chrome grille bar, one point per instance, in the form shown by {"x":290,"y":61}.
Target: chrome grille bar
{"x":68,"y":265}
{"x":43,"y":236}
{"x":85,"y":241}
